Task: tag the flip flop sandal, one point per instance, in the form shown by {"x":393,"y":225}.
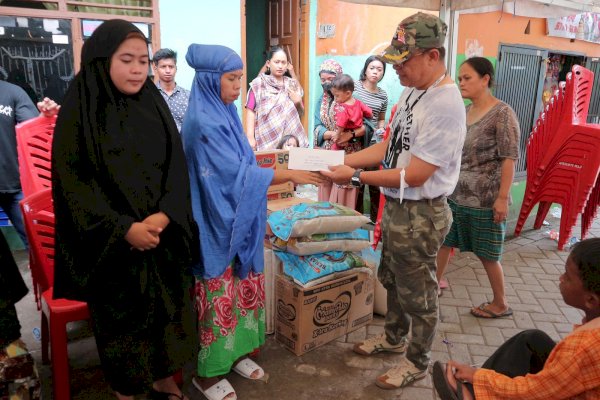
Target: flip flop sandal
{"x":443,"y":284}
{"x":218,"y":391}
{"x":490,"y":314}
{"x":246,"y":367}
{"x":441,"y":384}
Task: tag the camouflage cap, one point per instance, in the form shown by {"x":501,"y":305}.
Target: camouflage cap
{"x":419,"y":31}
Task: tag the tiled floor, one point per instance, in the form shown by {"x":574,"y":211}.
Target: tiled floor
{"x":532,"y":266}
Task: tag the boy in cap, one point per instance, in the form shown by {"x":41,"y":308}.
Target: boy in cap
{"x":421,"y":160}
{"x":530,"y":365}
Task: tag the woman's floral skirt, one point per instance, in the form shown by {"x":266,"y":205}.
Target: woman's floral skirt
{"x":231,"y":320}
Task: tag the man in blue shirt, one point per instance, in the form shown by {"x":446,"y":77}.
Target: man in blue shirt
{"x":177,"y":98}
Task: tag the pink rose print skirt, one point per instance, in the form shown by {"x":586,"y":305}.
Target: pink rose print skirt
{"x":231,"y":320}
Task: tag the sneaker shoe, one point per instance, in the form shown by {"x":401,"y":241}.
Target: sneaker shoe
{"x":378,"y":344}
{"x":402,"y":375}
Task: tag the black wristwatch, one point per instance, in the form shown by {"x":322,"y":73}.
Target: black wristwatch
{"x":355,"y":180}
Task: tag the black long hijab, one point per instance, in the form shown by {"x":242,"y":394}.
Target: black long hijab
{"x":116,"y":159}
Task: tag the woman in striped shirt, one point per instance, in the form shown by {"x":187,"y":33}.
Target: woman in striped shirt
{"x":367,"y":91}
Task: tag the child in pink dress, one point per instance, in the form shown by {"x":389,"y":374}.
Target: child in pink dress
{"x":349,"y":112}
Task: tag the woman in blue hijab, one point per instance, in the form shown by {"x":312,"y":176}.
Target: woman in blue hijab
{"x":229,"y":202}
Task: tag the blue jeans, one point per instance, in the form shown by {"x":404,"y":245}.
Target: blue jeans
{"x":10,"y":204}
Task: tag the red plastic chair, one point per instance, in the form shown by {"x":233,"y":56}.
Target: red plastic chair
{"x":34,"y":148}
{"x":38,"y":215}
{"x":562,"y":158}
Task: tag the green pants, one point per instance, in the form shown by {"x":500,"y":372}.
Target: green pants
{"x":412,"y":234}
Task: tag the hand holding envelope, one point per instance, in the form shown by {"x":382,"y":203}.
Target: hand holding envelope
{"x":314,"y":159}
{"x":329,"y":162}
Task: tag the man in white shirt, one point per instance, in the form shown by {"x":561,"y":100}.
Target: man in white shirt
{"x":421,"y":160}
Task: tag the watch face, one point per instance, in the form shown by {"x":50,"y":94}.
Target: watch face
{"x":355,"y":180}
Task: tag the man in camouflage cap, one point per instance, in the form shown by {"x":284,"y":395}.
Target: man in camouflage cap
{"x":414,"y":34}
{"x":421,"y":160}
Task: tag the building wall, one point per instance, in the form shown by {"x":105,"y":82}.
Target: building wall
{"x":494,"y":28}
{"x":360,"y":31}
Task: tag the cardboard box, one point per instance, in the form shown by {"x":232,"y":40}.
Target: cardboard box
{"x":275,"y":159}
{"x":280,"y":204}
{"x":277,"y":196}
{"x":309,"y":318}
{"x":273,"y":268}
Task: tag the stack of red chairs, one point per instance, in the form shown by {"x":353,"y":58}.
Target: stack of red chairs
{"x":563,"y":160}
{"x":38,"y":215}
{"x":34,"y":148}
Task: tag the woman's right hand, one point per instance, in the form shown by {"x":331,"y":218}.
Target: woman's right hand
{"x":307,"y":177}
{"x":142,"y":236}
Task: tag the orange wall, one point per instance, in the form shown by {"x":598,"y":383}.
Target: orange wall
{"x":510,"y":30}
{"x":359,"y":29}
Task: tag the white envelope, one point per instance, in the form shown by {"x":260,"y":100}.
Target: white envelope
{"x":314,"y":159}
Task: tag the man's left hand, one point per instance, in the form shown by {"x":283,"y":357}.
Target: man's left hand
{"x":48,"y":107}
{"x":339,"y":174}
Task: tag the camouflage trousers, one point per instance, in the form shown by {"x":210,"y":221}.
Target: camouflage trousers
{"x":412,"y":234}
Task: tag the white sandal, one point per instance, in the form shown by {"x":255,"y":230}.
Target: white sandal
{"x":246,"y":367}
{"x":218,"y":391}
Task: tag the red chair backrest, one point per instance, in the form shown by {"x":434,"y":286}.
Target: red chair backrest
{"x":38,"y":215}
{"x":34,"y":148}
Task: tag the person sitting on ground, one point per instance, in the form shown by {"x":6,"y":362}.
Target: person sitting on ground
{"x":349,"y":112}
{"x":530,"y":365}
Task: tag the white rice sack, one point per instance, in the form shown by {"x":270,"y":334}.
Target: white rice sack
{"x":311,"y":218}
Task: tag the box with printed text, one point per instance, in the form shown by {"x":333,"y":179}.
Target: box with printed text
{"x":275,"y":159}
{"x":309,"y":318}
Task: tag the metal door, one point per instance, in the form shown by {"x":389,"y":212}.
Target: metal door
{"x":593,"y":64}
{"x":519,"y":82}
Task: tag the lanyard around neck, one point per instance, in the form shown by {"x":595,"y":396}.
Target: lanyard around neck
{"x":391,"y":152}
{"x":437,"y":82}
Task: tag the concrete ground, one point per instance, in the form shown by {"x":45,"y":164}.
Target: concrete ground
{"x":532,"y":266}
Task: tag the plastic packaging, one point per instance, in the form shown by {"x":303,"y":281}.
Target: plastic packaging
{"x":378,"y":135}
{"x":571,"y":242}
{"x":552,"y":234}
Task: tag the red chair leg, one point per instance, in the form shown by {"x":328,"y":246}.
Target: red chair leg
{"x":567,"y":221}
{"x":60,"y":360}
{"x":543,"y":209}
{"x":526,"y":208}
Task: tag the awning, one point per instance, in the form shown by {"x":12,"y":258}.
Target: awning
{"x":526,"y":8}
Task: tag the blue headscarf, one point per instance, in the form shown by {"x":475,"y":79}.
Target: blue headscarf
{"x":229,"y":190}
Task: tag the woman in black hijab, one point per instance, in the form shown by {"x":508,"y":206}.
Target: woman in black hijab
{"x":125,"y":235}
